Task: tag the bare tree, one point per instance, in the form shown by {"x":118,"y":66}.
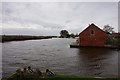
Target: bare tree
{"x":108,"y":28}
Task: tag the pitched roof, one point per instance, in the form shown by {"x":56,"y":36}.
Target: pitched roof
{"x":94,"y":26}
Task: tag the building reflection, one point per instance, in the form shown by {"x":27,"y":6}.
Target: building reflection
{"x":94,"y":60}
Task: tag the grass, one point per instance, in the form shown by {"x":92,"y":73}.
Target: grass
{"x":57,"y":77}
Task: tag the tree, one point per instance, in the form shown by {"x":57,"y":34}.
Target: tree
{"x":72,"y":35}
{"x":108,"y":29}
{"x":76,"y":35}
{"x":64,"y":34}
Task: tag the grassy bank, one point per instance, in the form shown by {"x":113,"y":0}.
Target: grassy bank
{"x":58,"y":77}
{"x":6,"y":38}
{"x":35,"y":74}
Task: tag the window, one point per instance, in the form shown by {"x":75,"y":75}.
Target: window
{"x":92,"y":32}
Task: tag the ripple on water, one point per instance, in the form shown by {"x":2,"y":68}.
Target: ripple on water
{"x":56,"y":55}
{"x":97,"y":59}
{"x":34,"y":60}
{"x":25,"y":59}
{"x":16,"y":64}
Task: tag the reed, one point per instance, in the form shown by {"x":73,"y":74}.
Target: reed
{"x":6,"y":38}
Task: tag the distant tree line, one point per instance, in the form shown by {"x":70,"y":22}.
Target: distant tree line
{"x":65,"y":34}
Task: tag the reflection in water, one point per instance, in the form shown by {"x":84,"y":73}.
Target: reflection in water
{"x":119,"y":63}
{"x":97,"y":60}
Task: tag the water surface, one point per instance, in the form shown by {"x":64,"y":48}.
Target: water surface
{"x":56,"y":55}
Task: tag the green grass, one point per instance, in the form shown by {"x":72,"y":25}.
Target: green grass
{"x":57,"y":77}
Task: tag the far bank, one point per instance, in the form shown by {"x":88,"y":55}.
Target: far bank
{"x":7,"y":38}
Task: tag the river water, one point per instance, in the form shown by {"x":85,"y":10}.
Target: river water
{"x":56,"y":55}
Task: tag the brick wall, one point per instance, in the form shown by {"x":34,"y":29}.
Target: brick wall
{"x":92,"y":36}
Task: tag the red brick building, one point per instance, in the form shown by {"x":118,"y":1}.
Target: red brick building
{"x":92,"y":36}
{"x":115,"y":35}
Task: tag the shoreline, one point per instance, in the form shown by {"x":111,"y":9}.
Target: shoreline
{"x":28,"y":73}
{"x":79,"y":46}
{"x":59,"y":77}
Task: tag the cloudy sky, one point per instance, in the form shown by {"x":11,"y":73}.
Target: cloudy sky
{"x":49,"y":18}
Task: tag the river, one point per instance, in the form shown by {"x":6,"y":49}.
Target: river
{"x":56,"y":55}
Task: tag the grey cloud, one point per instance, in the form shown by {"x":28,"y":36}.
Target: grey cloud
{"x":59,"y":16}
{"x":68,"y":21}
{"x":119,"y":16}
{"x":38,"y":32}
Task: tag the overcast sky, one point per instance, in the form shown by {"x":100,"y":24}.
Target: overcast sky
{"x":49,"y":18}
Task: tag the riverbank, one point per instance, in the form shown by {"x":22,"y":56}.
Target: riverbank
{"x":6,"y":38}
{"x":59,"y":77}
{"x":35,"y":74}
